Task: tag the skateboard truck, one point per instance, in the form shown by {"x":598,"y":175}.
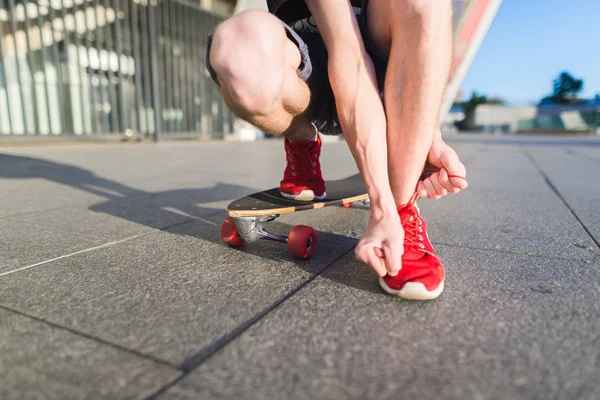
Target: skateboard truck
{"x":236,"y":231}
{"x":250,"y":229}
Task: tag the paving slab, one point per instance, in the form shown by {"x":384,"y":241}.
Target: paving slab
{"x":592,"y":153}
{"x":40,"y":361}
{"x":573,"y":175}
{"x":120,"y":218}
{"x":125,"y":169}
{"x":123,"y":180}
{"x":20,"y":196}
{"x":521,"y":222}
{"x":173,"y":293}
{"x":22,"y":244}
{"x":505,"y":168}
{"x":576,"y":178}
{"x":507,"y":326}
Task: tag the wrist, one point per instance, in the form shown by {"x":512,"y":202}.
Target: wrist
{"x":382,"y":206}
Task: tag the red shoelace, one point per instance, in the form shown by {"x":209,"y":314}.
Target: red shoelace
{"x":301,"y":161}
{"x":411,"y":223}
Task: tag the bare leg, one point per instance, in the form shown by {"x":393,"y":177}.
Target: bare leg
{"x":417,"y":35}
{"x":256,"y":65}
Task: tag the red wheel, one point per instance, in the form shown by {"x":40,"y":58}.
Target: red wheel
{"x":229,"y":233}
{"x":302,"y":242}
{"x":347,"y":205}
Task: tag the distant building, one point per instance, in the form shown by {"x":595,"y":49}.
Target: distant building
{"x":530,"y":119}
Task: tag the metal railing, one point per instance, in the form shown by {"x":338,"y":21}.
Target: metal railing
{"x":107,"y":67}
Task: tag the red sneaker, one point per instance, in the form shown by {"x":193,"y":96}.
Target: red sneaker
{"x":302,"y":179}
{"x":422,"y":274}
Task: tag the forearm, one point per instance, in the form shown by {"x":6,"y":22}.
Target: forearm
{"x":415,"y":83}
{"x":363,"y":121}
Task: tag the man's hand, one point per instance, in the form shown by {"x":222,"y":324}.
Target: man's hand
{"x":443,"y":172}
{"x":382,"y":244}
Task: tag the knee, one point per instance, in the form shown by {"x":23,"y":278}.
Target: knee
{"x":424,"y":11}
{"x":247,"y":55}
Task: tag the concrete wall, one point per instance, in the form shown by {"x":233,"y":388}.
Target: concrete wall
{"x":498,"y":117}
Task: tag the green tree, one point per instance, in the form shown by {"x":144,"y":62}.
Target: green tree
{"x":565,"y":89}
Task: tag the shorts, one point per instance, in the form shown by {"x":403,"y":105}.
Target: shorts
{"x":322,"y":110}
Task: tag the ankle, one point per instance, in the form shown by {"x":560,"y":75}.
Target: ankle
{"x":301,"y":130}
{"x":303,"y":139}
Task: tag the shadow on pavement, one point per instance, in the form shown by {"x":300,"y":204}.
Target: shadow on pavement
{"x":152,"y":209}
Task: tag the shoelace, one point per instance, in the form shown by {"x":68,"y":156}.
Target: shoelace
{"x":302,"y":162}
{"x":412,"y":224}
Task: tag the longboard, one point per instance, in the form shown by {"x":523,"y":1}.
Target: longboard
{"x":269,"y":202}
{"x":248,"y":214}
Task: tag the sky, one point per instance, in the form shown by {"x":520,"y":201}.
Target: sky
{"x":530,"y":42}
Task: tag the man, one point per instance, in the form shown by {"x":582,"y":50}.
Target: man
{"x":375,"y":70}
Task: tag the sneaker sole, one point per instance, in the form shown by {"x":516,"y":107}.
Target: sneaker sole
{"x":413,"y":291}
{"x":305,"y":195}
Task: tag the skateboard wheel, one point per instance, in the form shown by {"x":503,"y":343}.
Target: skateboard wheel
{"x":347,"y":205}
{"x":302,"y":242}
{"x":229,"y":233}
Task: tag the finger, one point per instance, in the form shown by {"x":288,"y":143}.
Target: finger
{"x":458,"y":182}
{"x":433,"y":194}
{"x":422,"y":190}
{"x":365,"y":255}
{"x":452,"y":163}
{"x":445,"y":181}
{"x":440,"y":189}
{"x":377,"y":263}
{"x":386,"y":255}
{"x":393,"y":259}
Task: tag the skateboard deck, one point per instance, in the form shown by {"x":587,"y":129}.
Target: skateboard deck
{"x":248,"y":215}
{"x":270,"y":202}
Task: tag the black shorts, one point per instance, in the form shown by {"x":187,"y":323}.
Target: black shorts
{"x":322,"y":110}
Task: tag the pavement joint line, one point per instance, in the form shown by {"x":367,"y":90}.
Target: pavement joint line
{"x":108,"y":244}
{"x":560,"y":196}
{"x":101,"y":246}
{"x":91,"y":337}
{"x":33,"y":212}
{"x":192,"y":362}
{"x":192,"y":218}
{"x":516,"y":253}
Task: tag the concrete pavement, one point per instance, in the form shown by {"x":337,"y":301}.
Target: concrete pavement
{"x":115,"y":283}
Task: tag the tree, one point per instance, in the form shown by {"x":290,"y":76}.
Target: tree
{"x":565,"y":90}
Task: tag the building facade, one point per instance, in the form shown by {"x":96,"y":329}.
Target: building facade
{"x":102,"y":67}
{"x":98,"y":68}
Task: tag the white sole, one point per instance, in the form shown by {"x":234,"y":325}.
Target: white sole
{"x":305,"y":195}
{"x":413,"y":291}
